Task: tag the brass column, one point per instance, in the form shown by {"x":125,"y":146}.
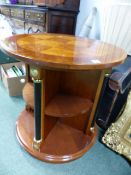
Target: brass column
{"x":37,"y":78}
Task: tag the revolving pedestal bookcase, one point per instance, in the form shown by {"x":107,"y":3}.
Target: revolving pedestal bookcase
{"x":67,"y":73}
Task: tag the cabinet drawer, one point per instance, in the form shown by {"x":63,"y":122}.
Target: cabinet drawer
{"x":35,"y":16}
{"x":5,"y":11}
{"x":18,"y":13}
{"x":33,"y":28}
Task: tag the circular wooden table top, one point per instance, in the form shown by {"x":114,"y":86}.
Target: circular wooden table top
{"x":62,"y":51}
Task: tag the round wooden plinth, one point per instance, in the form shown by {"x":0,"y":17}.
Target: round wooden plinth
{"x":62,"y":144}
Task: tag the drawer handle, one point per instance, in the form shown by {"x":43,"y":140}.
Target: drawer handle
{"x":32,"y":31}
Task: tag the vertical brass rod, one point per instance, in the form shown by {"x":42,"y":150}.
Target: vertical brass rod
{"x":38,"y":77}
{"x":88,"y":128}
{"x":43,"y":106}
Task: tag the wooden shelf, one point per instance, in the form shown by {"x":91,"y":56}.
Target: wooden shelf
{"x":64,"y":140}
{"x":63,"y":105}
{"x":63,"y":143}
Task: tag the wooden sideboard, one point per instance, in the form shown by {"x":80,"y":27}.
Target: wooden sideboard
{"x":36,"y":18}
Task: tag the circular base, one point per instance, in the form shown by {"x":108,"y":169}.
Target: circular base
{"x":62,"y":144}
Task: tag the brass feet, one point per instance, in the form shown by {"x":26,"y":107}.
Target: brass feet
{"x":36,"y":144}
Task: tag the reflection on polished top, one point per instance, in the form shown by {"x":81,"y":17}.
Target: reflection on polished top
{"x":63,"y":51}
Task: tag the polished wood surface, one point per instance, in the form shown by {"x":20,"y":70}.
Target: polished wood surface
{"x":63,"y":51}
{"x":63,"y":105}
{"x":63,"y":143}
{"x":96,"y":98}
{"x":63,"y":99}
{"x":72,"y":71}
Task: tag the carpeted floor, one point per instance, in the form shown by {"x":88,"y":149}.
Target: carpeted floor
{"x":15,"y":161}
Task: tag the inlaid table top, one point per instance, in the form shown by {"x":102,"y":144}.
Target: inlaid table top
{"x":63,"y":51}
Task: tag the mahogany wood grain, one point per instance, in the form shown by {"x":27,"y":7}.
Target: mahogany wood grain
{"x":79,"y":122}
{"x":63,"y":143}
{"x":52,"y":84}
{"x":63,"y":105}
{"x":97,"y":94}
{"x":72,"y":70}
{"x":63,"y":51}
{"x":80,"y":83}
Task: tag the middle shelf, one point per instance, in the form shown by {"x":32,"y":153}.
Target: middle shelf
{"x":63,"y":105}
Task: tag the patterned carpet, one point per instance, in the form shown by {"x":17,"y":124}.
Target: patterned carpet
{"x":15,"y":161}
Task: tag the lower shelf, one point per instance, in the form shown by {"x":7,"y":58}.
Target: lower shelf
{"x":63,"y":143}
